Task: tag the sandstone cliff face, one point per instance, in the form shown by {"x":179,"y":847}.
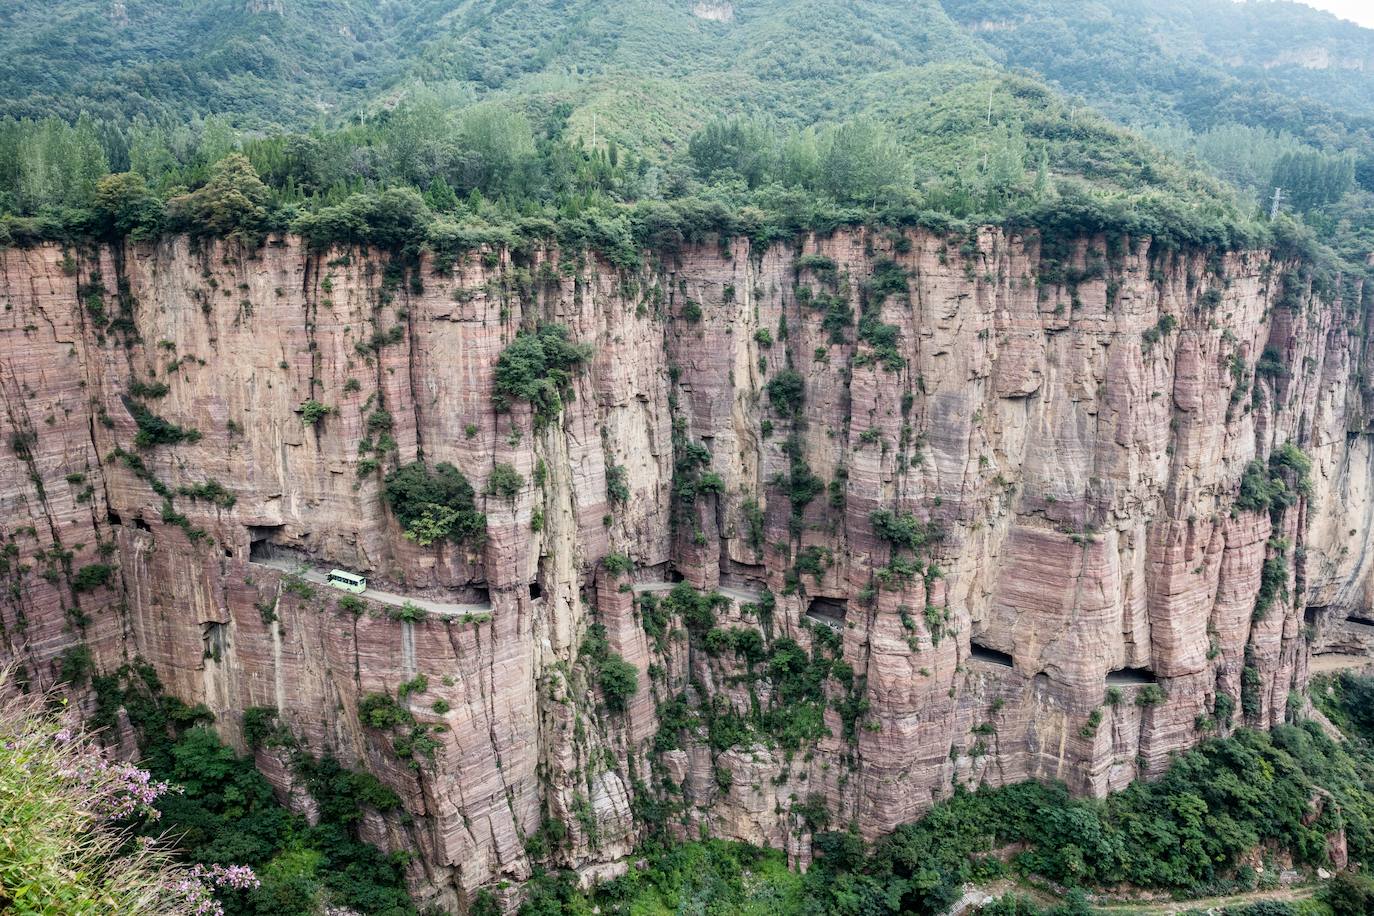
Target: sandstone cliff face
{"x":1078,"y":427}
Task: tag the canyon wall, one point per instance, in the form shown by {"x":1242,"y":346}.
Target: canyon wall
{"x":1005,"y":508}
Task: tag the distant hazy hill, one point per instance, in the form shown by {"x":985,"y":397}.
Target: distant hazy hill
{"x":1198,"y":63}
{"x":650,"y":70}
{"x":987,"y":99}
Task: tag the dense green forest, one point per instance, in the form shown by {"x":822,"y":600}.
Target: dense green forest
{"x":616,"y":126}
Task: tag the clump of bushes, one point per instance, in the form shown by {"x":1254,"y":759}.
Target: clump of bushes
{"x":538,"y":367}
{"x":787,"y":392}
{"x":211,"y":491}
{"x":505,"y":481}
{"x":434,"y":505}
{"x":312,"y":412}
{"x":89,"y":578}
{"x":408,"y":612}
{"x":617,"y":678}
{"x":1278,"y":486}
{"x":154,"y":430}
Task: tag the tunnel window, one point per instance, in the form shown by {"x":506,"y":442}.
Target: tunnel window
{"x":991,"y":656}
{"x":260,"y":545}
{"x":1127,"y":677}
{"x":828,"y":611}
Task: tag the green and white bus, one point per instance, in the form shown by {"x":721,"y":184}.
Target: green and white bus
{"x":347,"y":581}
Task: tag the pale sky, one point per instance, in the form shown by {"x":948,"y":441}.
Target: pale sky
{"x":1361,"y":11}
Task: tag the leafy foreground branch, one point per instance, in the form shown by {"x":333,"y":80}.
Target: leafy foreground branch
{"x":227,"y":812}
{"x":68,"y":816}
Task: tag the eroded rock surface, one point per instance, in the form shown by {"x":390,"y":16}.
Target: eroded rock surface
{"x":1078,"y":430}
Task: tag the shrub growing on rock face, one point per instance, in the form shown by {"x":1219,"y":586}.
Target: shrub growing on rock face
{"x":154,"y":430}
{"x":787,"y":392}
{"x":409,"y":612}
{"x":434,"y":505}
{"x":618,"y":564}
{"x":89,"y":578}
{"x":619,"y":682}
{"x":618,"y":679}
{"x":505,"y":481}
{"x":538,"y":367}
{"x":312,"y":412}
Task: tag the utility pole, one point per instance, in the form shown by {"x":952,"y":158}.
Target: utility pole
{"x":1274,"y":207}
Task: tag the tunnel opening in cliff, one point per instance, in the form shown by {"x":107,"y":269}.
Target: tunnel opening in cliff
{"x":260,"y":545}
{"x":828,"y":611}
{"x":215,"y":638}
{"x":1129,"y":677}
{"x":536,"y":591}
{"x":983,"y":653}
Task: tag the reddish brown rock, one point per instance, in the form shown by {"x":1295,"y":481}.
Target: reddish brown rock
{"x":1082,"y":450}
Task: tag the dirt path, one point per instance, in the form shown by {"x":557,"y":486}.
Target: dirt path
{"x":1173,"y":908}
{"x":1337,"y":661}
{"x":1046,"y":899}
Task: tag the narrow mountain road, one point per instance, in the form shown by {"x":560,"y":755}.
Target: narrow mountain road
{"x":975,"y":895}
{"x":1338,"y":661}
{"x":1207,"y":904}
{"x":741,"y":595}
{"x":443,"y":609}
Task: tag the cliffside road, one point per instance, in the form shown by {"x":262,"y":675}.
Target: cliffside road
{"x":1338,"y":661}
{"x":1207,"y":904}
{"x":741,"y":595}
{"x":441,"y":608}
{"x":978,"y":895}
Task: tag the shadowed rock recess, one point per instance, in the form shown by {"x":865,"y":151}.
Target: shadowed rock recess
{"x":1041,"y":518}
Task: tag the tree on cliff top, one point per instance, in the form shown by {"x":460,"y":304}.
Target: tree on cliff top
{"x":394,"y":218}
{"x":233,"y":203}
{"x":124,"y":206}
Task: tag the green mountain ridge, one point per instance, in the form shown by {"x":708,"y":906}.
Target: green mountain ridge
{"x":964,"y":110}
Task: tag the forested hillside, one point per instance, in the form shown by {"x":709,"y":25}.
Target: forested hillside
{"x":799,"y":113}
{"x":1264,"y":94}
{"x":259,"y":64}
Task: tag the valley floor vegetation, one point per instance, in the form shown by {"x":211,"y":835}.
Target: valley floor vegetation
{"x":223,"y":812}
{"x":1187,"y":834}
{"x":77,"y":826}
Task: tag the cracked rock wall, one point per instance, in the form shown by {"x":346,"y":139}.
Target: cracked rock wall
{"x":1078,"y":427}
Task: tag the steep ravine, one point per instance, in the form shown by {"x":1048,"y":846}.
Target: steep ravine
{"x":1077,"y":428}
